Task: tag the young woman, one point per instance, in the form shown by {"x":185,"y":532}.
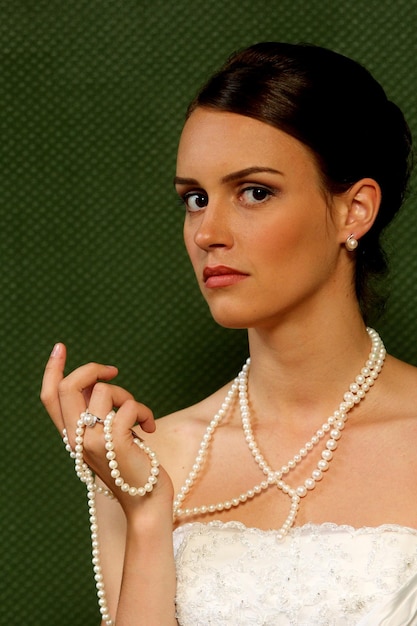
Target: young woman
{"x":291,"y":491}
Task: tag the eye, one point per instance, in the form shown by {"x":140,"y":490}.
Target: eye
{"x":255,"y":195}
{"x":195,"y":200}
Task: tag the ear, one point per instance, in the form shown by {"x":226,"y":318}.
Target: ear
{"x":360,"y":208}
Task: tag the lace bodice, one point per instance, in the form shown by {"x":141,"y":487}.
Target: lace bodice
{"x":326,"y":575}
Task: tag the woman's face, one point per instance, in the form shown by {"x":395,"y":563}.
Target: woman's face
{"x":258,"y":228}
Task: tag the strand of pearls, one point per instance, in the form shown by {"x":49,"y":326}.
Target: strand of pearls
{"x":332,"y":427}
{"x":86,"y":476}
{"x":200,"y":460}
{"x":178,"y":511}
{"x":113,"y":465}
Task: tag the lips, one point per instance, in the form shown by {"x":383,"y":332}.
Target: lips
{"x":222,"y":276}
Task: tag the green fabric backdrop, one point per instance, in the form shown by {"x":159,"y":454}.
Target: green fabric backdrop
{"x":92,"y":98}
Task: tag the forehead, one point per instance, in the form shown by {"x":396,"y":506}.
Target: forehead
{"x":216,"y":138}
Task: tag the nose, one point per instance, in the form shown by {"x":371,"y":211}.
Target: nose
{"x":212,"y":227}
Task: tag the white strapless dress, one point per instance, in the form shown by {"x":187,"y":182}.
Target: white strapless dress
{"x":320,"y":575}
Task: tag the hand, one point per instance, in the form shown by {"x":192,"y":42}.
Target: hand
{"x":65,"y":398}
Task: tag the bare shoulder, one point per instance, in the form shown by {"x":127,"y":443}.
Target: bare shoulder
{"x":400,"y":385}
{"x":177,"y":436}
{"x":396,"y":408}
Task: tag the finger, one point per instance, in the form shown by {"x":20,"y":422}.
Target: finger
{"x":104,"y":398}
{"x":137,"y":413}
{"x":54,"y":373}
{"x":72,"y":390}
{"x":129,"y":414}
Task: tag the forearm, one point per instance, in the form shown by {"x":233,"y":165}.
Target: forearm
{"x":147,"y":596}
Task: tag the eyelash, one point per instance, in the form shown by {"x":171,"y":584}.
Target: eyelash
{"x":269,"y":192}
{"x":185,"y":198}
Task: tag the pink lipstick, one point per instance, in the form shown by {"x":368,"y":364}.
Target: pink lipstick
{"x":222,"y":276}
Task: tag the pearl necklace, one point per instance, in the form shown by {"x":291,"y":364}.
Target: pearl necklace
{"x":333,"y":427}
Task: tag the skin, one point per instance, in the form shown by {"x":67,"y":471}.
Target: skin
{"x":267,"y":224}
{"x":292,"y":287}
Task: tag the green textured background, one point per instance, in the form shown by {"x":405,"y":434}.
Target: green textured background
{"x":92,"y":97}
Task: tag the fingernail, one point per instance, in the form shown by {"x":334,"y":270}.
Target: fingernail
{"x":57,"y":349}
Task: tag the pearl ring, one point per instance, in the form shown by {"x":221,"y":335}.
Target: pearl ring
{"x":89,"y":419}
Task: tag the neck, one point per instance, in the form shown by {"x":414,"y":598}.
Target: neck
{"x":304,"y":369}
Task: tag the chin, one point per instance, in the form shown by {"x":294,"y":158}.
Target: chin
{"x":231,"y":325}
{"x":231,"y":319}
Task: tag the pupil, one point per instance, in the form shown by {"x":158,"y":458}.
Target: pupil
{"x":259,"y":194}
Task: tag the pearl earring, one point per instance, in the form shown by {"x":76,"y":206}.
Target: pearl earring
{"x":351,"y":243}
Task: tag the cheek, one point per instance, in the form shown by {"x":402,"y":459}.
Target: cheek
{"x":295,"y":244}
{"x":278,"y":239}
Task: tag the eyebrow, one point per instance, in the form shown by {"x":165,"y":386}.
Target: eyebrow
{"x":179,"y":180}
